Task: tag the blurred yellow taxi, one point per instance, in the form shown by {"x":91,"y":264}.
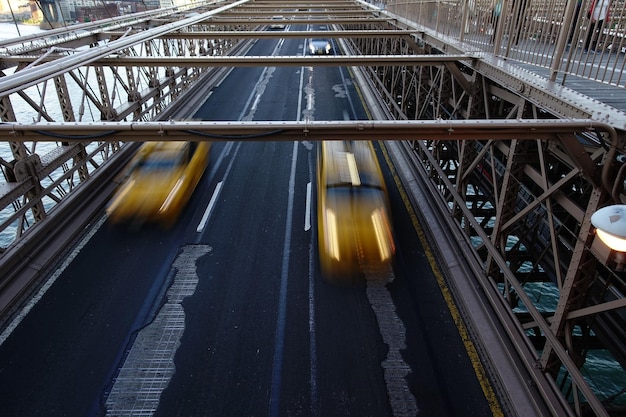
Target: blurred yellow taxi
{"x":159,"y":181}
{"x":353,"y":214}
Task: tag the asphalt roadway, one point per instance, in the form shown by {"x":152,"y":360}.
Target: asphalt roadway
{"x":225,"y":314}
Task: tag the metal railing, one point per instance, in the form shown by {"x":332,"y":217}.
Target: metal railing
{"x":47,"y":77}
{"x":558,"y":35}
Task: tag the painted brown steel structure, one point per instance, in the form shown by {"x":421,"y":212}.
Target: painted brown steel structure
{"x":517,"y":164}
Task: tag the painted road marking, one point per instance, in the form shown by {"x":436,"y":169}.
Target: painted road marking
{"x":279,"y":342}
{"x":209,"y":209}
{"x":307,"y":212}
{"x":470,"y":348}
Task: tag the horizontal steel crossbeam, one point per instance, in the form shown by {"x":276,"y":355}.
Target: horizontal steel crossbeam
{"x":253,"y":61}
{"x":250,"y":34}
{"x":304,"y":130}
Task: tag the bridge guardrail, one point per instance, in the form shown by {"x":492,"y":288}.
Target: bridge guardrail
{"x":549,"y":34}
{"x":37,"y":250}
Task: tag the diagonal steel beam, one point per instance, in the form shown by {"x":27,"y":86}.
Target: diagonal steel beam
{"x":24,"y":79}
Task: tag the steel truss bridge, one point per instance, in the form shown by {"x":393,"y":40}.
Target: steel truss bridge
{"x":516,"y":162}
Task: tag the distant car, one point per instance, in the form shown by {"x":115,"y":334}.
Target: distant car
{"x":320,"y":47}
{"x":279,"y":24}
{"x":353,"y":213}
{"x":159,"y":181}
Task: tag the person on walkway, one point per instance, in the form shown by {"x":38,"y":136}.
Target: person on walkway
{"x":597,"y":14}
{"x":575,"y":22}
{"x":519,"y":8}
{"x":470,"y":15}
{"x":496,"y":11}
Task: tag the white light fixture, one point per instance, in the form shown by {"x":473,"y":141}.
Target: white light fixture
{"x":610,"y":224}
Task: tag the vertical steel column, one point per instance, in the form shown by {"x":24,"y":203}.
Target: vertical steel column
{"x":107,"y":110}
{"x":68,"y":116}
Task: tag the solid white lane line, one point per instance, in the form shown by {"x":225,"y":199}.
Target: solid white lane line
{"x":224,"y":77}
{"x":218,"y":188}
{"x":207,"y":212}
{"x":281,"y":319}
{"x":345,"y":86}
{"x":312,"y":335}
{"x":50,"y":281}
{"x":307,"y":212}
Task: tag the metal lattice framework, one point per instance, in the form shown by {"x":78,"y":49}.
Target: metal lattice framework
{"x":55,"y":77}
{"x":525,"y":206}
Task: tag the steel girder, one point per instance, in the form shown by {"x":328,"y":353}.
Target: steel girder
{"x":52,"y":71}
{"x":540,"y":234}
{"x":524,"y":205}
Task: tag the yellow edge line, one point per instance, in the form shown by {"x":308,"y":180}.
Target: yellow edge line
{"x":485,"y":384}
{"x":360,"y":94}
{"x":470,"y":348}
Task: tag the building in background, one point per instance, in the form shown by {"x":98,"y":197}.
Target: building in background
{"x":55,"y":13}
{"x":22,"y":11}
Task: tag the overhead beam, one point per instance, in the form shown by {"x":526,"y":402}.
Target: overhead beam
{"x":296,"y":21}
{"x":330,"y":14}
{"x":304,"y":130}
{"x":252,"y":61}
{"x":247,"y":34}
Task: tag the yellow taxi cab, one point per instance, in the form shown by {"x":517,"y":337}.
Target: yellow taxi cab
{"x":353,"y":213}
{"x":160,"y":179}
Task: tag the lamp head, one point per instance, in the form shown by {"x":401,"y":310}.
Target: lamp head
{"x":610,"y":224}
